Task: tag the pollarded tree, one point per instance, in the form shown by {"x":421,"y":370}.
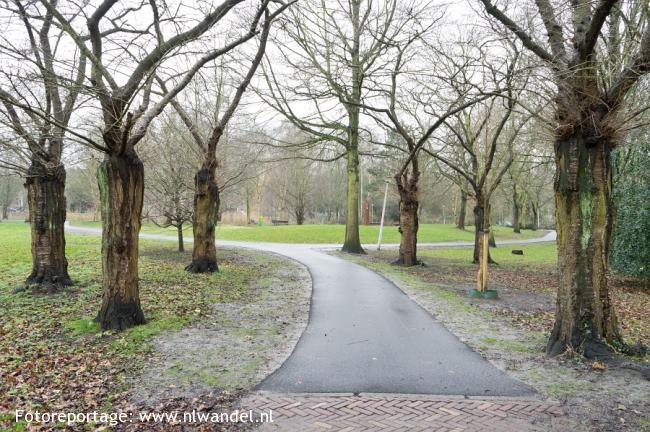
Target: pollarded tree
{"x":596,"y":52}
{"x":148,"y":48}
{"x":39,"y":93}
{"x":206,"y":188}
{"x":329,"y":50}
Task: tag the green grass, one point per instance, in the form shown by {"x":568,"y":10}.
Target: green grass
{"x":335,"y":233}
{"x":569,"y":388}
{"x":538,"y":254}
{"x":51,"y":345}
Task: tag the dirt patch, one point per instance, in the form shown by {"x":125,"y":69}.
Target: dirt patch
{"x":234,"y":345}
{"x":614,"y":399}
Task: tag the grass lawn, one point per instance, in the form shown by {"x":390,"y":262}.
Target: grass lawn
{"x":336,"y":233}
{"x":53,"y":356}
{"x":538,"y":254}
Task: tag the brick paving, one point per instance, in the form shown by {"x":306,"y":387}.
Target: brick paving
{"x":381,"y":412}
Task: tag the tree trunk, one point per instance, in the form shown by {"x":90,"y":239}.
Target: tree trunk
{"x":480,"y":223}
{"x":585,"y":214}
{"x":121,"y":186}
{"x":352,"y":242}
{"x":248,"y":207}
{"x":462,"y":215}
{"x":535,"y":211}
{"x":179,"y":231}
{"x":299,"y":211}
{"x":47,"y":212}
{"x":5,"y":214}
{"x":515,"y":217}
{"x":408,"y":228}
{"x":206,"y":209}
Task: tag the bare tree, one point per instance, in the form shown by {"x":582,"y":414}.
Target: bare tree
{"x":330,"y":50}
{"x":596,"y":52}
{"x":419,"y":111}
{"x":39,"y":93}
{"x":121,"y":174}
{"x":169,"y":193}
{"x":206,"y":196}
{"x":482,"y":149}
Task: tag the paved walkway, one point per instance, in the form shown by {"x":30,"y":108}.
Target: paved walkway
{"x":366,"y":336}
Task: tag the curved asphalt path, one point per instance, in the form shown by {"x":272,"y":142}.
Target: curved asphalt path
{"x":366,"y":336}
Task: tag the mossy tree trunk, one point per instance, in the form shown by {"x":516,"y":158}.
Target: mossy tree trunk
{"x":121,"y":185}
{"x":584,"y":215}
{"x":206,"y":209}
{"x":408,"y":217}
{"x":352,"y":242}
{"x":481,"y":223}
{"x":47,"y":213}
{"x":593,"y":86}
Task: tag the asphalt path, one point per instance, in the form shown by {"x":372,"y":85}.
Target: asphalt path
{"x":366,"y":336}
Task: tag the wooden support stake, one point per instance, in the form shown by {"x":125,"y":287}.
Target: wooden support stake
{"x":484,"y":247}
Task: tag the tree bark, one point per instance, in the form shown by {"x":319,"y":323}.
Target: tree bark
{"x":47,"y":213}
{"x":462,"y":215}
{"x":535,"y":210}
{"x":206,"y":209}
{"x":408,"y":228}
{"x":179,"y":231}
{"x":300,"y":214}
{"x":352,"y":242}
{"x":121,"y":186}
{"x":480,"y":223}
{"x":515,"y":217}
{"x":585,"y":214}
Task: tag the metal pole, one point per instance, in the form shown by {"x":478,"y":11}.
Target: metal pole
{"x":383,"y":213}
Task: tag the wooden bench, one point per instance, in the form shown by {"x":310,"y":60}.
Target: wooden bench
{"x":279,"y":222}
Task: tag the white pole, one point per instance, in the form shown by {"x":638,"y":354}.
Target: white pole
{"x":383,"y":213}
